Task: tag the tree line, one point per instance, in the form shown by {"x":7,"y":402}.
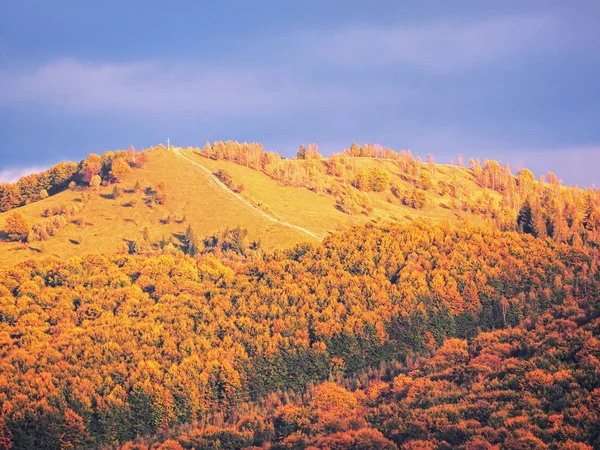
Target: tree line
{"x":93,"y":170}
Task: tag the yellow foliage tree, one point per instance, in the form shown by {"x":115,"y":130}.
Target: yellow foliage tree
{"x":17,"y":227}
{"x":119,"y":169}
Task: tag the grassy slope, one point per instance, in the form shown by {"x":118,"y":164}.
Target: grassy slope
{"x":296,"y":205}
{"x":318,"y":213}
{"x":110,"y":223}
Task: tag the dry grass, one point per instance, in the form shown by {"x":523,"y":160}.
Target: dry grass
{"x":299,"y":206}
{"x":107,"y":224}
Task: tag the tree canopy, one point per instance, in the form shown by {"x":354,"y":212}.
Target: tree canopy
{"x":103,"y":349}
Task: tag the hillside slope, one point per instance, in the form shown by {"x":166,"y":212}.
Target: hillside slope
{"x":108,"y":224}
{"x":319,"y":212}
{"x":281,"y":202}
{"x":243,"y":201}
{"x":277,"y":215}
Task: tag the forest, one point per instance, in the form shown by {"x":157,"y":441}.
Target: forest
{"x":408,"y":335}
{"x":405,"y":333}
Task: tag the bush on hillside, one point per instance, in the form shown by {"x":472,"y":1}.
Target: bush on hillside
{"x":425,"y":181}
{"x":119,"y":169}
{"x":64,"y":209}
{"x":354,"y":202}
{"x":415,"y":198}
{"x":116,"y":193}
{"x":379,"y":180}
{"x":17,"y":227}
{"x":225,"y":178}
{"x":95,"y":182}
{"x":50,"y":226}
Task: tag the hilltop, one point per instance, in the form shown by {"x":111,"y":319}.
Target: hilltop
{"x":281,"y":202}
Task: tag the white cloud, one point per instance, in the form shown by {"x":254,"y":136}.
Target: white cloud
{"x":445,"y":46}
{"x":156,"y":87}
{"x":293,"y":78}
{"x":12,"y":174}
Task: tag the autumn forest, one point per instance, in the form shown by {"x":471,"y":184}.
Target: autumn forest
{"x":366,"y":300}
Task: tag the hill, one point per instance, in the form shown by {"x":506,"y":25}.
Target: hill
{"x":227,"y":297}
{"x":107,"y":225}
{"x":282,"y":202}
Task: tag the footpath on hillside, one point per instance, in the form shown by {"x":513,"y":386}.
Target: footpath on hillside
{"x":241,"y":199}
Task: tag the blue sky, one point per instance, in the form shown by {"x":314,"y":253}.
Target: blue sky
{"x":514,"y":81}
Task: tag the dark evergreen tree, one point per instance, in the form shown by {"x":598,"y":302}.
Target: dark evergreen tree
{"x":301,"y":152}
{"x":525,"y":219}
{"x":190,"y":242}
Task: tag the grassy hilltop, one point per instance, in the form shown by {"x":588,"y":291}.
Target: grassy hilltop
{"x":104,"y":224}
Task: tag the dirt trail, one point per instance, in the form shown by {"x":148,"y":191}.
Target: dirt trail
{"x":241,"y":199}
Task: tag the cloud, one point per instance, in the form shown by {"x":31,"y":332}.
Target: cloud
{"x":12,"y":174}
{"x":440,"y":46}
{"x":156,"y":87}
{"x":307,"y":70}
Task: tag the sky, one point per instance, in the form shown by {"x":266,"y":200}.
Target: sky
{"x":508,"y":80}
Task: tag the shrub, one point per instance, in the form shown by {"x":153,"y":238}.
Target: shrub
{"x":379,"y":179}
{"x":234,"y":240}
{"x":353,"y":202}
{"x":361,"y":180}
{"x":376,"y":180}
{"x":95,"y":182}
{"x":17,"y":227}
{"x":191,"y":246}
{"x":119,"y":169}
{"x":161,"y":193}
{"x":347,"y":204}
{"x":141,"y":159}
{"x":425,"y":180}
{"x":50,"y":226}
{"x":225,"y":178}
{"x":417,"y":198}
{"x":64,"y":209}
